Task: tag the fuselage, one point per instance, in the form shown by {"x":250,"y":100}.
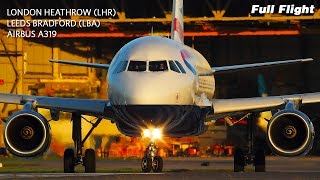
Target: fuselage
{"x":153,"y":81}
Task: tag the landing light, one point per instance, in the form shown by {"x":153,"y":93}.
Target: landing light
{"x":146,"y":133}
{"x":153,"y":134}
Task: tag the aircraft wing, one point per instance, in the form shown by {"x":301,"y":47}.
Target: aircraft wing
{"x":223,"y":69}
{"x":99,"y":108}
{"x":259,"y":104}
{"x":93,"y":65}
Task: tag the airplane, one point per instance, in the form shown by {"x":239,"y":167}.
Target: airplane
{"x":160,"y":87}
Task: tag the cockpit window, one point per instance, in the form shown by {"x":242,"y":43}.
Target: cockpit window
{"x":137,"y":66}
{"x":158,"y":66}
{"x":120,"y":67}
{"x":174,"y":67}
{"x":123,"y":66}
{"x":180,"y":67}
{"x":117,"y":67}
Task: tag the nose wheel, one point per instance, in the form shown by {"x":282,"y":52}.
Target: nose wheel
{"x":150,"y":161}
{"x":157,"y":164}
{"x":146,"y":164}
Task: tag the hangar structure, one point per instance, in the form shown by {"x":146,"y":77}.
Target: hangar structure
{"x":224,"y":31}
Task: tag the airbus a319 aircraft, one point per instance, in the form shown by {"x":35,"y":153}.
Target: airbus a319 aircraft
{"x":159,"y":86}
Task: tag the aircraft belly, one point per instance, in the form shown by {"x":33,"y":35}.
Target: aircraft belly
{"x":175,"y":120}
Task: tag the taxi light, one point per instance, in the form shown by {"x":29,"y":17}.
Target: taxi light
{"x":154,"y":134}
{"x":146,"y":133}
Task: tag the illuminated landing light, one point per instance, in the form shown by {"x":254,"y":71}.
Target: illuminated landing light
{"x":153,"y":134}
{"x":147,"y":133}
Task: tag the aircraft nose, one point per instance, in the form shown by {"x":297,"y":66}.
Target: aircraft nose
{"x":149,"y":88}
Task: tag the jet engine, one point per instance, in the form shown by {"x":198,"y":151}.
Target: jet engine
{"x":290,"y":133}
{"x":27,"y":134}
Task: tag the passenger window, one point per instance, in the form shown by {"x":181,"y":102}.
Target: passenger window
{"x":180,"y":67}
{"x":137,"y":66}
{"x":173,"y":67}
{"x":158,"y":66}
{"x":190,"y":67}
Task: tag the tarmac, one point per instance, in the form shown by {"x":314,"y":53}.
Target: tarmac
{"x":174,"y":168}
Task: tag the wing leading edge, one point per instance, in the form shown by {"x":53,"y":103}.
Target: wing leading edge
{"x":259,"y":104}
{"x":101,"y":108}
{"x":93,"y":65}
{"x":224,"y":69}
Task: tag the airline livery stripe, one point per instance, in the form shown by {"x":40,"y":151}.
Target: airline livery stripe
{"x":184,"y":54}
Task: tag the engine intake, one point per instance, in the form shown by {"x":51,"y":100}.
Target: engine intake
{"x":290,"y":133}
{"x":27,"y":134}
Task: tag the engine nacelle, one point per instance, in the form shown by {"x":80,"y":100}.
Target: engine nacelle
{"x":290,"y":133}
{"x":27,"y":134}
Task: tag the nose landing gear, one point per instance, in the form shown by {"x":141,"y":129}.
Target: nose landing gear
{"x":151,"y":161}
